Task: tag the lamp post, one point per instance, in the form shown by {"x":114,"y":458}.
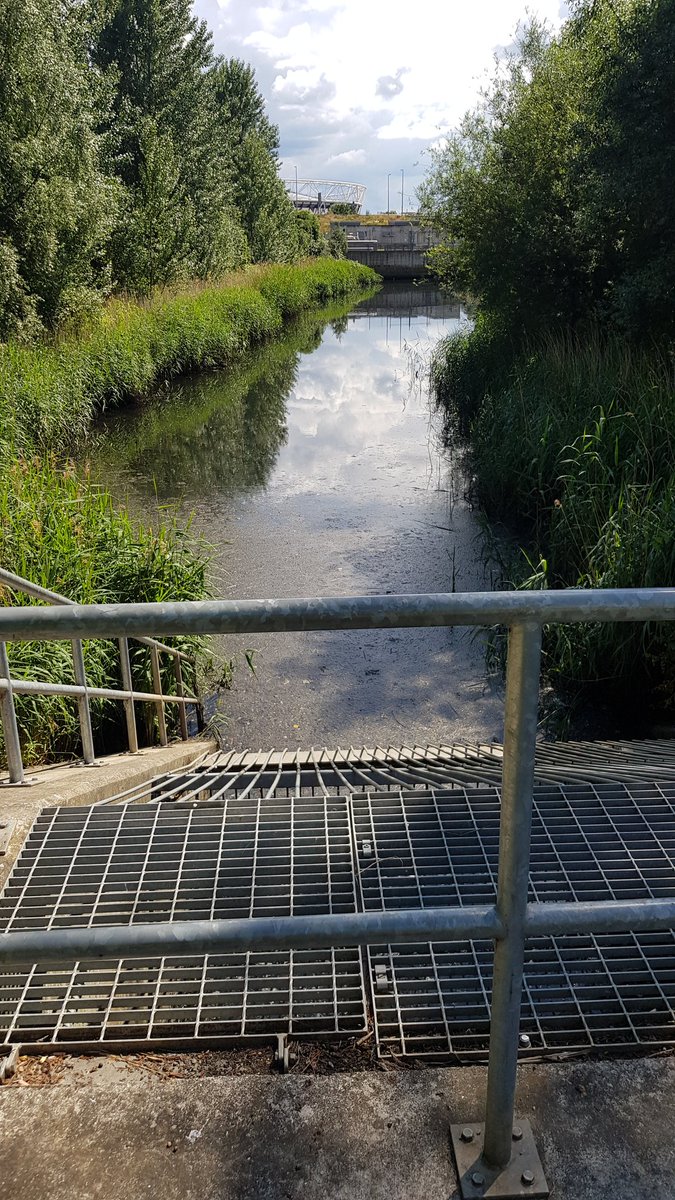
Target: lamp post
{"x":296,"y":187}
{"x":402,"y":178}
{"x":388,"y":178}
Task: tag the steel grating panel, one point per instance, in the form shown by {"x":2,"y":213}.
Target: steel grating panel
{"x":139,"y":863}
{"x":323,"y":772}
{"x":589,"y":842}
{"x":341,"y":772}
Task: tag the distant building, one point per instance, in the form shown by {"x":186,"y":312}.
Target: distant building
{"x":317,"y":195}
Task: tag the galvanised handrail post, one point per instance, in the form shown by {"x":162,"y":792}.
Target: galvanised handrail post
{"x":10,"y":729}
{"x":83,"y":692}
{"x":159,"y":704}
{"x":520,"y":733}
{"x":128,"y":685}
{"x":180,"y":691}
{"x":83,"y":708}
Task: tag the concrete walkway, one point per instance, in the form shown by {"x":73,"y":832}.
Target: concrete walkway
{"x":604,"y":1131}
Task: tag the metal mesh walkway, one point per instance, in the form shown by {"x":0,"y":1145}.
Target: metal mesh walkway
{"x":108,"y":865}
{"x":317,"y":832}
{"x":589,"y":842}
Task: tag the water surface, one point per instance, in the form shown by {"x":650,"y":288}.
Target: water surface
{"x":316,"y":468}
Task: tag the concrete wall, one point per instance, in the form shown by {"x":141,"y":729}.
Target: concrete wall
{"x":396,"y":235}
{"x":396,"y":250}
{"x":390,"y":264}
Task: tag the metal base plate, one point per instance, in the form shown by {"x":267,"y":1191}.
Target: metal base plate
{"x":524,"y":1175}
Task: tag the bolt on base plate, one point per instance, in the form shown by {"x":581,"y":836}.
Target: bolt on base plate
{"x":523,"y":1175}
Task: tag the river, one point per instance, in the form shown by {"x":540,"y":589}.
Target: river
{"x":317,"y":467}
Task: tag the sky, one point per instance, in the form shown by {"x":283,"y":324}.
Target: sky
{"x":360,"y":89}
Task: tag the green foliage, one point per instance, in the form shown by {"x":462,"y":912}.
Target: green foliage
{"x":163,"y":143}
{"x":250,"y":143}
{"x":573,"y":444}
{"x":153,"y":245}
{"x":56,"y":205}
{"x":343,"y":208}
{"x":62,"y":532}
{"x":131,"y":157}
{"x":241,"y":107}
{"x":553,"y":199}
{"x":50,"y":392}
{"x":556,"y":210}
{"x":336,"y":242}
{"x":308,"y":232}
{"x":265,"y":211}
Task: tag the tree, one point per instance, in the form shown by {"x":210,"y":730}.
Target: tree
{"x":56,"y":206}
{"x":154,"y":244}
{"x":163,"y":136}
{"x":554,"y":198}
{"x":241,"y":106}
{"x":265,"y":211}
{"x":308,"y":232}
{"x":626,"y":169}
{"x":500,"y":194}
{"x":336,"y":242}
{"x":250,"y":143}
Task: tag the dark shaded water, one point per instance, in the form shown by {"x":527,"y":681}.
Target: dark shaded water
{"x":317,"y":467}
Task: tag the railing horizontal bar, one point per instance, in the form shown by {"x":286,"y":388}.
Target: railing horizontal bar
{"x":249,"y":933}
{"x":341,"y":612}
{"x":479,"y":922}
{"x":28,"y":687}
{"x":18,"y":584}
{"x":600,"y":916}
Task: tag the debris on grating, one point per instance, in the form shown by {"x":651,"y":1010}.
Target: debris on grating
{"x":312,"y":1058}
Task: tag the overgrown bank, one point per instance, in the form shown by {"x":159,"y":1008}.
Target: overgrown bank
{"x":51,"y":391}
{"x":572,"y":444}
{"x":62,"y":531}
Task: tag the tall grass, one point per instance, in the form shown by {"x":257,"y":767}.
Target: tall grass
{"x":61,"y":531}
{"x":572,"y":441}
{"x":51,"y":391}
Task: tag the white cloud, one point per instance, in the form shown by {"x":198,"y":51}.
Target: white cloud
{"x":368,"y":75}
{"x":349,"y":157}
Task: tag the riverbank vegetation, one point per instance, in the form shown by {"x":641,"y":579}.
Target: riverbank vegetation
{"x":131,"y":157}
{"x":61,"y":531}
{"x":51,"y":390}
{"x":556,"y":210}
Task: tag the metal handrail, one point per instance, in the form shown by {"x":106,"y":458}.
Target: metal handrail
{"x":17,"y":584}
{"x":509,"y":921}
{"x":83,"y":692}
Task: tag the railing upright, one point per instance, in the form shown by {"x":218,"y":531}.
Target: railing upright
{"x":83,"y":708}
{"x":180,"y":691}
{"x":520,"y":734}
{"x":506,"y":1163}
{"x":10,"y":728}
{"x":159,"y":704}
{"x":128,"y":685}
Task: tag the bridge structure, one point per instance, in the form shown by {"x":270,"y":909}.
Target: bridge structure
{"x":396,"y":249}
{"x":483,"y":904}
{"x":317,"y":195}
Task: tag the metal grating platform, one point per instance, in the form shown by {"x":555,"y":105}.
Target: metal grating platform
{"x":340,"y":772}
{"x":140,"y":863}
{"x":581,"y":993}
{"x":319,"y":831}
